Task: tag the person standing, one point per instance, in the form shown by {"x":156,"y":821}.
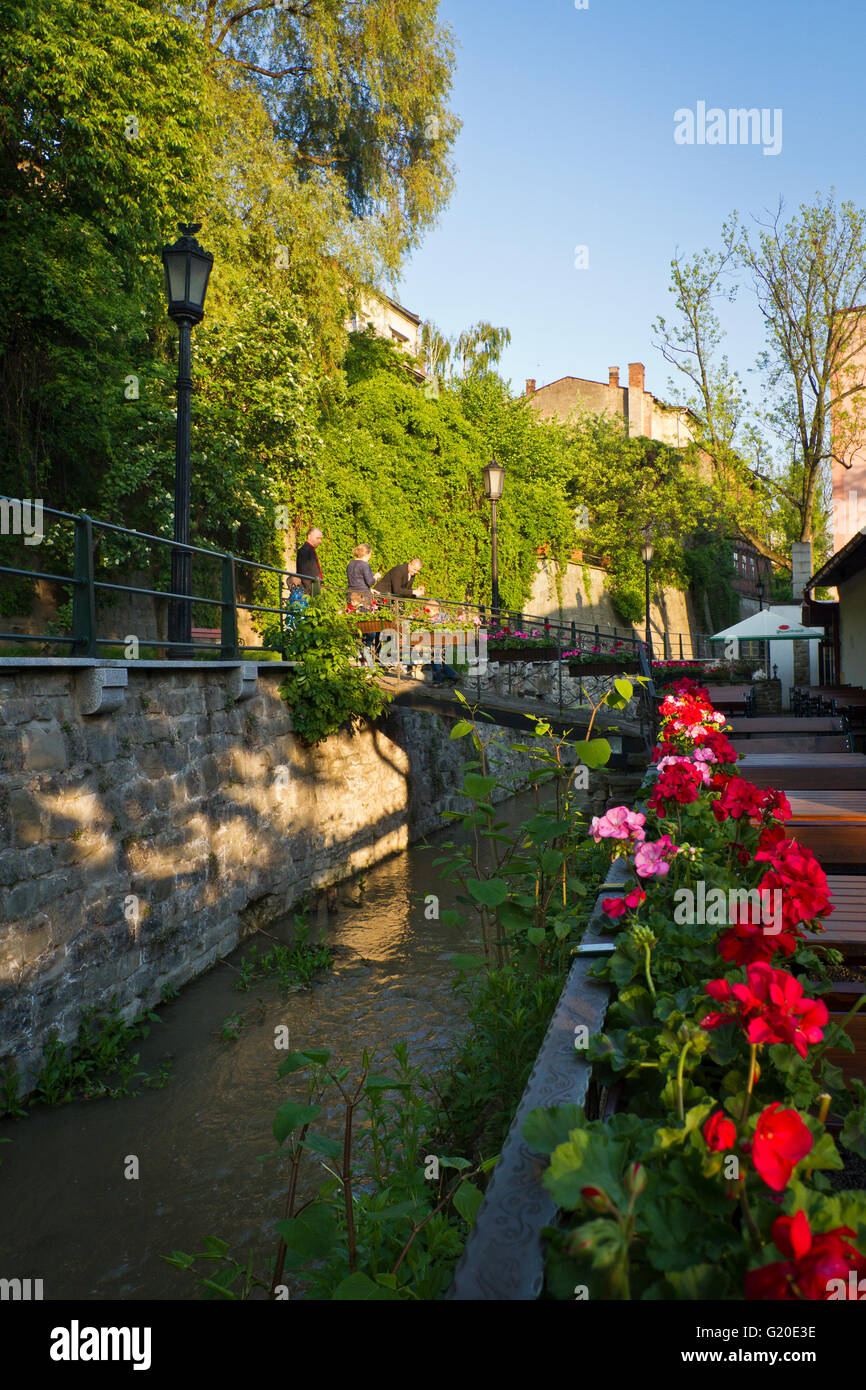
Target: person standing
{"x":360,"y":577}
{"x":307,"y":561}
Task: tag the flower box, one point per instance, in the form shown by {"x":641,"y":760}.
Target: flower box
{"x":522,"y":653}
{"x":626,"y":667}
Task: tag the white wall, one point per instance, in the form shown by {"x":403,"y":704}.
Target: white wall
{"x":852,"y":629}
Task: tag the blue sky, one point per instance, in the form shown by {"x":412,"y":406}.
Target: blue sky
{"x":568,"y":140}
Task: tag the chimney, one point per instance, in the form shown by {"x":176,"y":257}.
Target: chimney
{"x":635,"y":375}
{"x":530,"y":386}
{"x":613,"y":377}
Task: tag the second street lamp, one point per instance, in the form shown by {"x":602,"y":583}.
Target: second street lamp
{"x":493,"y":474}
{"x":187,"y":270}
{"x":647,"y":551}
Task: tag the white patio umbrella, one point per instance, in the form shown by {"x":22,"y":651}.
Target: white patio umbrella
{"x":768,"y":627}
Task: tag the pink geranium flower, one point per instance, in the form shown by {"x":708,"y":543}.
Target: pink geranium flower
{"x":619,"y":823}
{"x":651,"y":857}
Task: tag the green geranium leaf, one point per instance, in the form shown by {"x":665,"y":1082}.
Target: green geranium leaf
{"x":545,"y":1130}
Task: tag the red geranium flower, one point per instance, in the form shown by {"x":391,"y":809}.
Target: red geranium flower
{"x":681,"y":783}
{"x":800,"y":878}
{"x":781,"y":1140}
{"x":769,"y":838}
{"x":747,"y":939}
{"x":776,"y":804}
{"x":720,"y":1133}
{"x":617,"y":907}
{"x":812,"y":1261}
{"x":771,"y":1008}
{"x":739,"y":798}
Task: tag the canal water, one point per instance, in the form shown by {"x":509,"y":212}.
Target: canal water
{"x":70,"y":1217}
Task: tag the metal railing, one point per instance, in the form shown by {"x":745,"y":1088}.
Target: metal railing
{"x":89,"y":578}
{"x":86,"y":583}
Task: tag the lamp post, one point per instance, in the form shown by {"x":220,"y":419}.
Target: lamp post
{"x":187,"y":270}
{"x":493,"y":474}
{"x":647,"y":551}
{"x":760,"y":588}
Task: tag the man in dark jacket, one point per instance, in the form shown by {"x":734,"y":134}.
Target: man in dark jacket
{"x":307,"y":562}
{"x":398,"y":581}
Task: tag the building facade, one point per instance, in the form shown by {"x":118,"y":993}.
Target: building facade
{"x":643,"y":413}
{"x":389,"y":320}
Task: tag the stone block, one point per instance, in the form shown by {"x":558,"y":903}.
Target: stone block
{"x":44,"y":746}
{"x":27,"y":817}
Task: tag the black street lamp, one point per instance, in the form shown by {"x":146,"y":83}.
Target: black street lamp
{"x":187,"y":270}
{"x":760,"y":588}
{"x":647,"y":551}
{"x":494,"y":479}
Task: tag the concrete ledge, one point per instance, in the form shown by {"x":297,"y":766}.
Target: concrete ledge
{"x":72,"y":663}
{"x":101,"y":689}
{"x":504,"y":1257}
{"x":242,"y":680}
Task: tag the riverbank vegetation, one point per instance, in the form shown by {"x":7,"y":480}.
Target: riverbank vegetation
{"x":397,"y":1183}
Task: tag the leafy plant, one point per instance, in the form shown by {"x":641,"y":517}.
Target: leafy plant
{"x":99,"y":1063}
{"x":388,"y":1221}
{"x":327,"y":690}
{"x":230,"y":1028}
{"x":292,"y":967}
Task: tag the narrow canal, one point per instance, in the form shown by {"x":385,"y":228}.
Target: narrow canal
{"x":70,"y":1217}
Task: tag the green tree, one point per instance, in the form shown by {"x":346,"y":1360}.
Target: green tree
{"x":99,"y":159}
{"x":357,"y":95}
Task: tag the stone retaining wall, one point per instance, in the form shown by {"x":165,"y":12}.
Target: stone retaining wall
{"x":141,"y":841}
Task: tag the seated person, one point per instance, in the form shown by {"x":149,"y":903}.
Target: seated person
{"x":442,"y":672}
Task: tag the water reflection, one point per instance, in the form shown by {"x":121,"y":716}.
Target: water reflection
{"x":70,"y":1217}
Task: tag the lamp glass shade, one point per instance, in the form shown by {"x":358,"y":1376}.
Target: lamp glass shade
{"x":494,"y":479}
{"x":175,"y":277}
{"x":647,"y":550}
{"x":187,"y":270}
{"x":199,"y":271}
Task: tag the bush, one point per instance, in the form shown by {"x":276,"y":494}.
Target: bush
{"x":326,"y":691}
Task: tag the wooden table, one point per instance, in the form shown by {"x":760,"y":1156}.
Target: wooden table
{"x":793,"y":744}
{"x":832,"y":824}
{"x":846,"y":925}
{"x":729,"y":699}
{"x":779,"y":724}
{"x":805,"y":771}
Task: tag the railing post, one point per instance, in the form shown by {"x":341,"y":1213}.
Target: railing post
{"x":681,"y":646}
{"x":597,"y":636}
{"x":559,"y":664}
{"x":573,"y":635}
{"x":229,"y":650}
{"x":84,"y":596}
